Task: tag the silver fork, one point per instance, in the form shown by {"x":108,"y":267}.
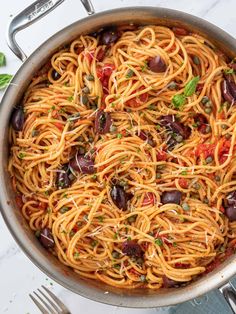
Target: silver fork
{"x":49,"y":305}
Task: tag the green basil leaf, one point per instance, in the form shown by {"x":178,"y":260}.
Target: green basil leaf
{"x":2,"y":59}
{"x":4,"y":80}
{"x":178,"y":100}
{"x":190,"y":88}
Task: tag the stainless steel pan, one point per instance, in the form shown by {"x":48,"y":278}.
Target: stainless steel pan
{"x":17,"y":225}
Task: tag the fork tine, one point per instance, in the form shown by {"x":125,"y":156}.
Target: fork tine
{"x":45,"y":304}
{"x":50,"y":301}
{"x":58,"y":301}
{"x":39,"y":305}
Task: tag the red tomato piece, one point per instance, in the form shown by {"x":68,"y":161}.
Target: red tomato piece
{"x":183,"y":183}
{"x":89,"y":56}
{"x":149,"y":198}
{"x":139,"y":100}
{"x":205,"y":149}
{"x":224,"y":150}
{"x":59,"y":125}
{"x":161,"y":155}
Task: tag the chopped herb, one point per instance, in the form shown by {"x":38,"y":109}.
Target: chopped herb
{"x":115,"y":235}
{"x":76,"y":255}
{"x":178,"y":101}
{"x":4,"y":80}
{"x":62,"y":110}
{"x":119,"y":135}
{"x":158,"y":126}
{"x":129,"y":239}
{"x":53,"y":107}
{"x":49,"y":210}
{"x":94,"y":176}
{"x":195,"y":125}
{"x":174,"y":244}
{"x":21,"y":155}
{"x":94,"y":243}
{"x":144,"y":67}
{"x":64,"y":195}
{"x":159,"y":242}
{"x":229,"y":71}
{"x":100,"y":218}
{"x":64,"y":209}
{"x":184,"y":173}
{"x":2,"y":59}
{"x":70,"y":98}
{"x":191,"y":86}
{"x":116,"y":266}
{"x":46,"y":193}
{"x":130,"y":73}
{"x":113,"y":105}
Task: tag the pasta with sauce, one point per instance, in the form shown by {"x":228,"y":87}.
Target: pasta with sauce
{"x":123,"y":156}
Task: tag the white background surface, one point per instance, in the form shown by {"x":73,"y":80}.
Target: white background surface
{"x":18,"y":276}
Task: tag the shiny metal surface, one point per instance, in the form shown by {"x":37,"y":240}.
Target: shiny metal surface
{"x":229,"y":294}
{"x":18,"y":226}
{"x":31,"y":14}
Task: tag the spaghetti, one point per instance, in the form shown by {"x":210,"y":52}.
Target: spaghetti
{"x":123,"y":156}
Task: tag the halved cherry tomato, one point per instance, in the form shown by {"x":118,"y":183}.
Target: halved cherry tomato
{"x":149,"y":199}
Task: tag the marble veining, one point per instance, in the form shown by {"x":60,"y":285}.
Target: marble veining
{"x":18,"y":275}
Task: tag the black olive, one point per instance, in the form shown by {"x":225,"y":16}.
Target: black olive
{"x":55,"y":75}
{"x":157,"y":65}
{"x":231,"y":85}
{"x":225,"y":90}
{"x":103,"y":122}
{"x":46,"y":238}
{"x":231,"y":199}
{"x":119,"y":197}
{"x":132,"y":249}
{"x":171,"y":197}
{"x":82,"y":164}
{"x":169,"y":283}
{"x":63,"y":180}
{"x":175,"y":126}
{"x":230,"y":212}
{"x":18,"y":119}
{"x":109,"y":36}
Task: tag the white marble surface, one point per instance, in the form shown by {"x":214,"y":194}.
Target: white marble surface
{"x":18,"y":276}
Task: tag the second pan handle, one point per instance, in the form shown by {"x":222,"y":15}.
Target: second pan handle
{"x":31,"y":14}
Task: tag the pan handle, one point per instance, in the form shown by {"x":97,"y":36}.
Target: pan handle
{"x":229,"y":294}
{"x":31,"y":14}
